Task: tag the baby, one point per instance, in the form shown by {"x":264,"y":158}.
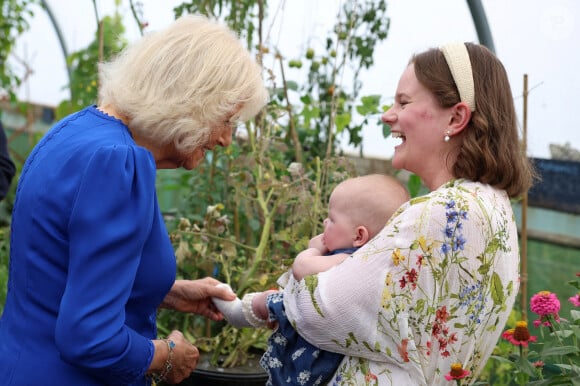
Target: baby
{"x":358,"y":209}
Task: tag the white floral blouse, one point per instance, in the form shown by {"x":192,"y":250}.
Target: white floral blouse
{"x":434,"y":287}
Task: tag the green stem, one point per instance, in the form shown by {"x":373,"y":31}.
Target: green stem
{"x":317,"y":193}
{"x":263,"y":243}
{"x":217,"y":238}
{"x":557,"y":335}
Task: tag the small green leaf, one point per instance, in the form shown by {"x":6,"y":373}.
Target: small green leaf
{"x":342,"y":121}
{"x":497,"y":293}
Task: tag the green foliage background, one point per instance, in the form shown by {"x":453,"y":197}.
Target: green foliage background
{"x":243,"y":214}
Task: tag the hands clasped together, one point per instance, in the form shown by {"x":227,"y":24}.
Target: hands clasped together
{"x":175,"y":357}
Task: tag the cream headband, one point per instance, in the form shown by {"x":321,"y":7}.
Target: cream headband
{"x":458,"y":61}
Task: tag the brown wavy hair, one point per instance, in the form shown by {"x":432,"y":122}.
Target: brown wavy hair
{"x":489,"y":149}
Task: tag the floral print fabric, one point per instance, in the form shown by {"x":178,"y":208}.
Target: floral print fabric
{"x":289,"y":358}
{"x":435,"y":287}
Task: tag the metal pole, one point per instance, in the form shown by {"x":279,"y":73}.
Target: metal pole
{"x":60,"y":40}
{"x":481,"y":25}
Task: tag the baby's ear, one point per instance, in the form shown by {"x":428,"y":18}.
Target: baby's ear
{"x":362,"y":235}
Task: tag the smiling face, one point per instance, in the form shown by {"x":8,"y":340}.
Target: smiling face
{"x":421,"y":124}
{"x":220,"y":135}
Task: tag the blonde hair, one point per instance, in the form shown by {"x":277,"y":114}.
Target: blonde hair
{"x":372,"y":199}
{"x":174,"y":85}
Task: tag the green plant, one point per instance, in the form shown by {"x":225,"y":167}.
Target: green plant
{"x":318,"y":93}
{"x":249,"y":215}
{"x":4,"y":242}
{"x":13,"y":22}
{"x":83,"y":63}
{"x":253,"y":206}
{"x":553,"y":358}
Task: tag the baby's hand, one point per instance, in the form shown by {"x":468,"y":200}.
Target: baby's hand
{"x":224,"y":306}
{"x":238,"y":311}
{"x":317,"y":242}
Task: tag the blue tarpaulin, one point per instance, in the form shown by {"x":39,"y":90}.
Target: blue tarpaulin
{"x":559,"y":188}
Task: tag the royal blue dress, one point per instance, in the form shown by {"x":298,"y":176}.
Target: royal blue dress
{"x":90,"y":259}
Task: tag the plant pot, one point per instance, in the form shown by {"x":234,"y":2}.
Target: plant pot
{"x":206,"y":374}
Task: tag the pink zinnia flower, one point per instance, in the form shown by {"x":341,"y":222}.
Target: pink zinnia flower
{"x":575,"y":300}
{"x":546,"y":305}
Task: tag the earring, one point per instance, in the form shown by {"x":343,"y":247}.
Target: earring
{"x":447,"y":137}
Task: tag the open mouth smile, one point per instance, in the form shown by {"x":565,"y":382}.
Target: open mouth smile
{"x":397,"y":135}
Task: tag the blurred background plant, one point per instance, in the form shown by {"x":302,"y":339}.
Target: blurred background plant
{"x":244,"y":214}
{"x":253,"y":206}
{"x":249,"y":214}
{"x":14,"y":18}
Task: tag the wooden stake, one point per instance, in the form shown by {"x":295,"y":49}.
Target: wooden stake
{"x":524,"y":231}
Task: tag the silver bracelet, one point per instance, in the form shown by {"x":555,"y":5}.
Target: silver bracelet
{"x":249,"y":313}
{"x":168,"y":363}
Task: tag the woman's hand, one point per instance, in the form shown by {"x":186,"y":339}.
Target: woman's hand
{"x":185,"y":358}
{"x":194,"y":296}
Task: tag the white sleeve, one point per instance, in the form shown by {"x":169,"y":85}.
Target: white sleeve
{"x":336,"y":310}
{"x":435,"y":286}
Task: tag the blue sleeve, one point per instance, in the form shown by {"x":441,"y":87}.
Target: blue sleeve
{"x":110,"y":221}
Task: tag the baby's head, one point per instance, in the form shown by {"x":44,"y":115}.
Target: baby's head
{"x":360,"y":207}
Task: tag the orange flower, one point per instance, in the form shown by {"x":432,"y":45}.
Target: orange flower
{"x":457,"y":372}
{"x":519,"y":336}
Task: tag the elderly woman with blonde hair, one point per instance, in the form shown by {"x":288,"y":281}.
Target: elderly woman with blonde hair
{"x":90,"y":257}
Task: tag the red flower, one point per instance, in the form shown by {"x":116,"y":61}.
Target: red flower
{"x":403,"y":282}
{"x":370,"y":377}
{"x":440,"y":331}
{"x":546,"y":305}
{"x":403,"y":350}
{"x":442,"y":314}
{"x":519,"y":336}
{"x":412,"y":277}
{"x":538,"y":364}
{"x":457,"y":372}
